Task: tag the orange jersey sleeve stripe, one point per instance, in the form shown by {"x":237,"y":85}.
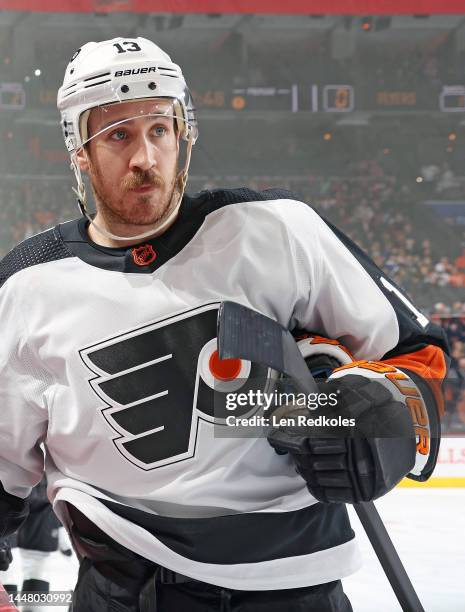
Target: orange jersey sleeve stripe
{"x":429,"y":363}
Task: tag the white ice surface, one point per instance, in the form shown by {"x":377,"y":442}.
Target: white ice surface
{"x":427,"y":527}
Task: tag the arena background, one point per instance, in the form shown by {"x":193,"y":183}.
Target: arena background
{"x":358,"y":107}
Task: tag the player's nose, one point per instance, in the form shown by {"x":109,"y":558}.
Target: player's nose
{"x":143,"y":155}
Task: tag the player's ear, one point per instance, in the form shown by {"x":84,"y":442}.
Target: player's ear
{"x":82,"y":159}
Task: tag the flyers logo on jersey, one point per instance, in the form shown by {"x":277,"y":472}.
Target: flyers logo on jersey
{"x":157,"y":383}
{"x":143,"y":255}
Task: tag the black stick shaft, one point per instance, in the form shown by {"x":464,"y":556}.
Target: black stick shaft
{"x":388,"y":557}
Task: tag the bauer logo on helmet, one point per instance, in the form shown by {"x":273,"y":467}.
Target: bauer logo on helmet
{"x":130,"y":71}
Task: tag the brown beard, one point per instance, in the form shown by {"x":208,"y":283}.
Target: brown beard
{"x":133,"y":181}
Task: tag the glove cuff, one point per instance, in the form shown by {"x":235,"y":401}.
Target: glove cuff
{"x":403,"y":389}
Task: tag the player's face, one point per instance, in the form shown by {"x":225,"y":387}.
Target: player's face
{"x":132,"y":163}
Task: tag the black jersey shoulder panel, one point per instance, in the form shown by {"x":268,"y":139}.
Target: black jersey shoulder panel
{"x":41,"y":248}
{"x":222,"y":197}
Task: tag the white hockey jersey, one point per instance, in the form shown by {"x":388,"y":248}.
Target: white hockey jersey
{"x":103,"y":359}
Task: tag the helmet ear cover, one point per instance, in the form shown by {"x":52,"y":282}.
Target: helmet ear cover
{"x":83,"y":126}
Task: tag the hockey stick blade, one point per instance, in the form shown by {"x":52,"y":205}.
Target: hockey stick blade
{"x":246,"y":334}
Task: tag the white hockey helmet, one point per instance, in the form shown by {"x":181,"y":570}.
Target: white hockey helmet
{"x":121,"y":70}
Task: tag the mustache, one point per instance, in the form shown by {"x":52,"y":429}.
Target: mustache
{"x":143,"y":178}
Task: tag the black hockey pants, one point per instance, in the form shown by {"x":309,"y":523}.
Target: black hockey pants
{"x":114,"y":579}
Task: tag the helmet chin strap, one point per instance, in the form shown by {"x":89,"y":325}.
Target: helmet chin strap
{"x":160,"y":226}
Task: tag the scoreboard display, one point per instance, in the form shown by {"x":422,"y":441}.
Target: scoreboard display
{"x":266,"y":98}
{"x":338,"y":98}
{"x":333,"y":98}
{"x":12,"y":96}
{"x":452,"y":99}
{"x":295,"y":97}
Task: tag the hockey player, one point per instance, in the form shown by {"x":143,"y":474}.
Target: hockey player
{"x":108,"y":355}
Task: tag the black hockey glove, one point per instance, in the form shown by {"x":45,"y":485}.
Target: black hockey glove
{"x":5,"y":555}
{"x":348,"y":461}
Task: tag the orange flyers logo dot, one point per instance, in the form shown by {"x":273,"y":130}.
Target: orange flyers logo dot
{"x":224,"y":369}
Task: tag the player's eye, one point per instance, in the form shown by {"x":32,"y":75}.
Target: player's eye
{"x":118,"y":135}
{"x":159,"y":130}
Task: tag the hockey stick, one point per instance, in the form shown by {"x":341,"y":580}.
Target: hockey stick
{"x":247,"y":334}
